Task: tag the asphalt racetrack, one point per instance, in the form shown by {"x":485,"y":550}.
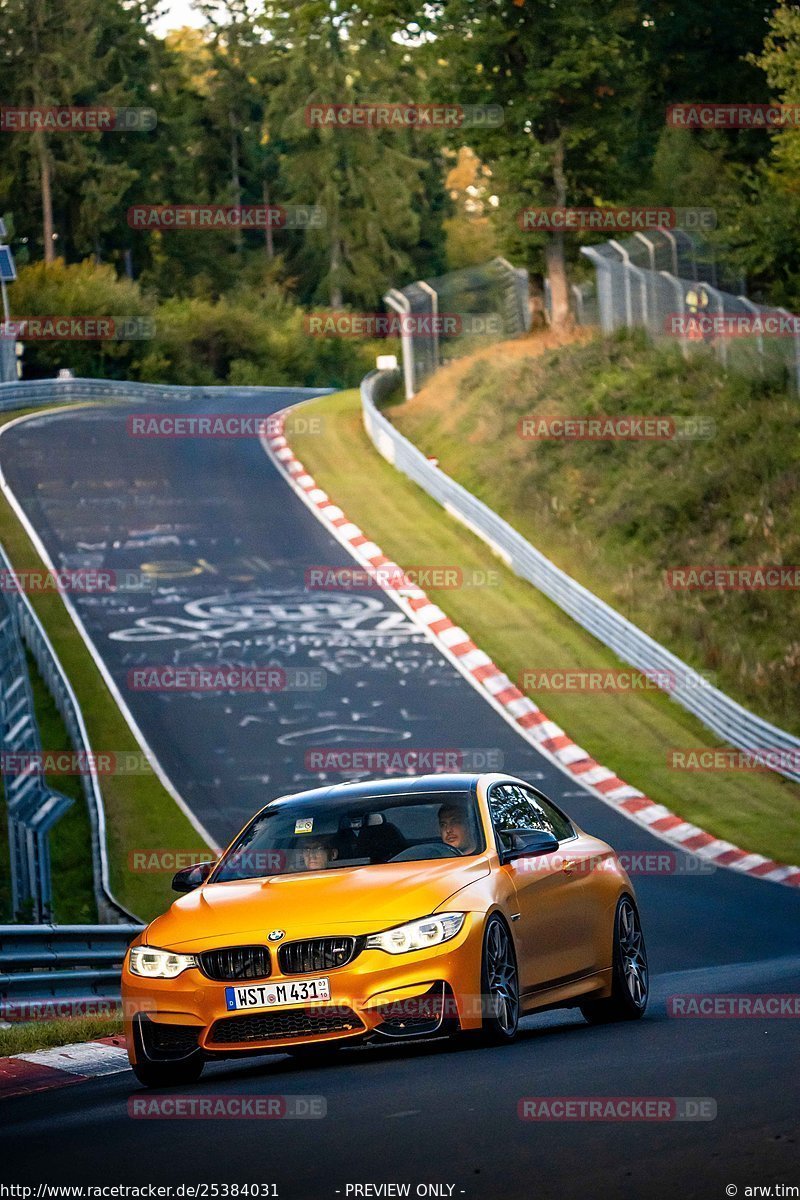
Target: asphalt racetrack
{"x":227,"y":546}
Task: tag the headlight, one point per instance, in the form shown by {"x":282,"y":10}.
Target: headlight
{"x":417,"y":935}
{"x":159,"y":964}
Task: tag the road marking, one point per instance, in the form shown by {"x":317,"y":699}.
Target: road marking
{"x":58,"y":1066}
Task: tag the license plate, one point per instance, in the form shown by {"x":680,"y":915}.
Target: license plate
{"x":274,"y":995}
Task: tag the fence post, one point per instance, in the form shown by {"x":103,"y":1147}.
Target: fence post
{"x":759,"y":337}
{"x":631,"y":268}
{"x":627,"y":282}
{"x":693,"y":251}
{"x":674,"y":248}
{"x":796,"y":344}
{"x":722,"y":355}
{"x":519,"y":283}
{"x":679,"y":293}
{"x":605,"y":300}
{"x":434,"y":295}
{"x":400,"y":304}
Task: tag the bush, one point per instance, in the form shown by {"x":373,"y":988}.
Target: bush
{"x":253,"y":336}
{"x":86,"y":289}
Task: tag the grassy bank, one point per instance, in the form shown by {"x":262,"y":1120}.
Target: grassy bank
{"x":520,"y":629}
{"x":140,"y":813}
{"x":618,"y":515}
{"x":28,"y":1036}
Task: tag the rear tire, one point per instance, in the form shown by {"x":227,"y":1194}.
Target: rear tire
{"x":169,"y":1074}
{"x":629,"y":975}
{"x":499,"y":985}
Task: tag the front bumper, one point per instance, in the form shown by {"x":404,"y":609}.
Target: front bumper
{"x":376,"y":996}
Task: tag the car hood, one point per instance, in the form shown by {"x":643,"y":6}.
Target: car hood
{"x":355,"y":900}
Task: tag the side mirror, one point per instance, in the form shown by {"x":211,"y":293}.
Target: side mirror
{"x":189,"y":878}
{"x":537,"y":841}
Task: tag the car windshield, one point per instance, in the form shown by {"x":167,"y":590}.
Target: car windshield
{"x":313,"y":834}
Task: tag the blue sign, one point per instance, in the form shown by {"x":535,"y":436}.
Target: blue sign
{"x":8,"y":272}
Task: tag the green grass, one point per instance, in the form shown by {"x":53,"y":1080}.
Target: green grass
{"x":522,"y":630}
{"x":27,"y":1036}
{"x":617,"y":515}
{"x":140,"y":813}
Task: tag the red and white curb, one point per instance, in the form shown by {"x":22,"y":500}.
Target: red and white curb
{"x":529,"y":720}
{"x":59,"y":1066}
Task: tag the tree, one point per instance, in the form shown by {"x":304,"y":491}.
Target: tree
{"x":371,"y":184}
{"x":569,"y":86}
{"x":47,"y":55}
{"x":765,"y":217}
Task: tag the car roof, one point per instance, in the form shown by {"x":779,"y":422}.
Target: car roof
{"x":397,"y":785}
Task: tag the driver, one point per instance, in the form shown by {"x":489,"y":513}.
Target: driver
{"x":318,"y":853}
{"x":454,"y":829}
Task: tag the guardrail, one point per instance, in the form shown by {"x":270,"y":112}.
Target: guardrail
{"x":29,"y":628}
{"x":41,"y":963}
{"x":33,"y":808}
{"x":24,"y":393}
{"x":718,"y":712}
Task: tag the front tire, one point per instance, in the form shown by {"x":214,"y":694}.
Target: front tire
{"x":630,"y":976}
{"x":499,"y":985}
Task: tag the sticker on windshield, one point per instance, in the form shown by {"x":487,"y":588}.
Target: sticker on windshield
{"x":304,"y":825}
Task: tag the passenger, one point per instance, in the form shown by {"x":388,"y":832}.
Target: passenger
{"x":454,"y":829}
{"x":318,"y":854}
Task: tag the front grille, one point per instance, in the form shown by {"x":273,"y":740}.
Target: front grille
{"x":233,"y":964}
{"x":274,"y":1026}
{"x":317,"y":954}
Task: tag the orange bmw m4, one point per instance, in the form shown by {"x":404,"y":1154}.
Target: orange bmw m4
{"x":383,"y":910}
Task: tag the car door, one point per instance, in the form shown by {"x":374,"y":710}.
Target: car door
{"x":553,"y":930}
